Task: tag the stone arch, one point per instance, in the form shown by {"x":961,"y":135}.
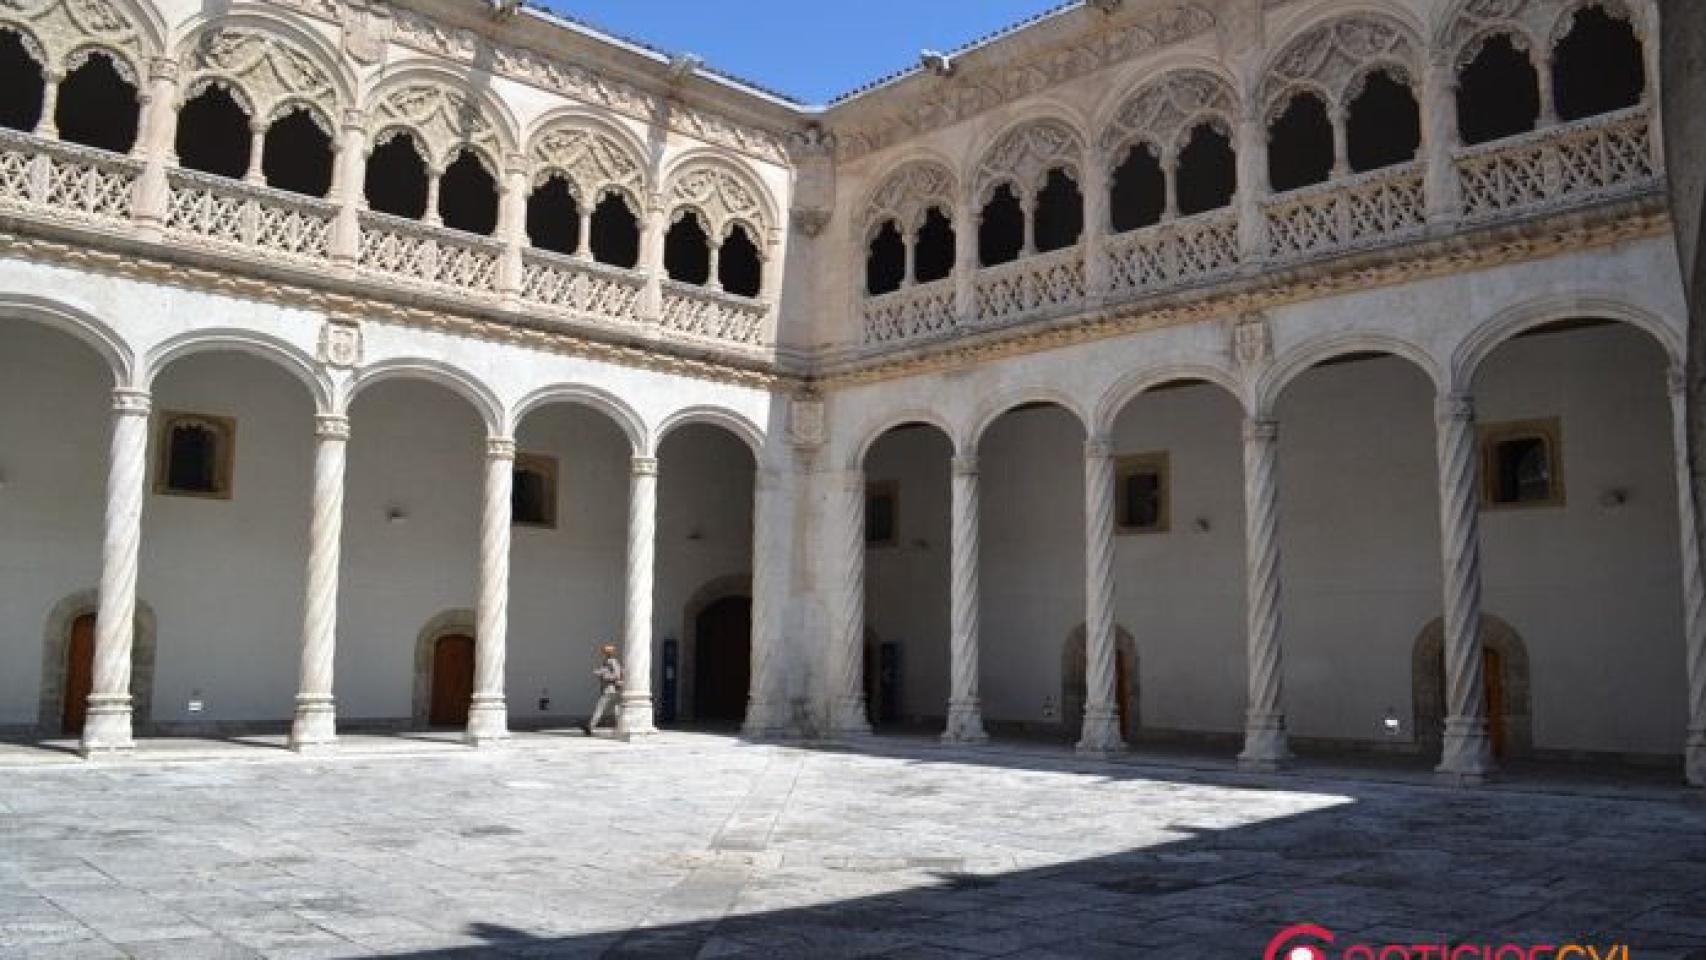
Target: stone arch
{"x":869,"y":436}
{"x":722,"y":193}
{"x":446,"y":112}
{"x":1427,"y":685}
{"x":594,"y":157}
{"x":1073,"y":691}
{"x":737,"y":424}
{"x":1309,"y":355}
{"x":270,"y":62}
{"x":907,"y":192}
{"x":1165,"y":109}
{"x":730,"y":586}
{"x":1327,"y":55}
{"x":444,"y":624}
{"x":1023,"y":154}
{"x":464,"y":384}
{"x":287,"y":355}
{"x":1116,"y":398}
{"x":1475,"y":348}
{"x":1466,"y":25}
{"x":83,"y":326}
{"x":1007,"y":402}
{"x":144,"y":644}
{"x":605,"y":402}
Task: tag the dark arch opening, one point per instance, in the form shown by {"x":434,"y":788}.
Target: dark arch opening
{"x":1300,"y":144}
{"x":933,"y":251}
{"x":615,"y":233}
{"x":1383,"y":125}
{"x":1059,"y":213}
{"x":1001,"y":232}
{"x":468,"y":196}
{"x":1498,"y":93}
{"x":885,"y":260}
{"x":1597,"y":67}
{"x":553,"y":218}
{"x":297,"y":154}
{"x":97,"y":106}
{"x":397,"y":179}
{"x":1207,"y":176}
{"x":213,"y":134}
{"x":20,"y":77}
{"x":687,"y":251}
{"x":1138,"y":195}
{"x":739,"y":269}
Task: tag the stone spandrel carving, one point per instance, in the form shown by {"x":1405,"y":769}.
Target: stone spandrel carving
{"x":1166,"y":109}
{"x":721,"y":197}
{"x":442,"y":118}
{"x":59,"y":27}
{"x":1027,"y":154}
{"x":367,"y":31}
{"x":591,"y":160}
{"x":271,"y":72}
{"x":340,"y":343}
{"x":1334,"y":56}
{"x":970,"y":93}
{"x":908,"y":193}
{"x":1252,"y":341}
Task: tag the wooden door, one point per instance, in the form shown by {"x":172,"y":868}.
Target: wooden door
{"x":79,"y":675}
{"x":452,"y":680}
{"x":721,"y":661}
{"x":1492,"y":669}
{"x":1122,"y":693}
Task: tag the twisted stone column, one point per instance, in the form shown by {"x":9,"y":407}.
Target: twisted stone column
{"x":488,"y":715}
{"x":1266,"y":745}
{"x":766,"y":711}
{"x":1693,"y":588}
{"x":965,"y":709}
{"x":636,"y":716}
{"x":1468,"y":755}
{"x":1101,"y":713}
{"x":315,"y":726}
{"x":847,"y":667}
{"x":107,"y":727}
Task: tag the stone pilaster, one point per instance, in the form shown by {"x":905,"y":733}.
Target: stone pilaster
{"x":1101,"y":732}
{"x":154,"y":146}
{"x":1266,"y":745}
{"x":1468,"y":754}
{"x":766,"y":704}
{"x":315,"y":724}
{"x":107,"y":729}
{"x":636,"y":716}
{"x":1693,"y":588}
{"x":965,"y":708}
{"x":512,"y":225}
{"x":1252,"y":186}
{"x":349,"y":186}
{"x":847,"y":638}
{"x":966,"y":218}
{"x":488,"y":714}
{"x":1440,"y":140}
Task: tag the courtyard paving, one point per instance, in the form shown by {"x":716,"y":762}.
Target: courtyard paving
{"x":703,"y":846}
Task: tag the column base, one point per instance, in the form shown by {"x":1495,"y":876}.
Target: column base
{"x":765,"y":720}
{"x":1468,"y":755}
{"x":1694,"y":757}
{"x":1101,"y":735}
{"x":106,"y":727}
{"x":965,"y":723}
{"x":315,"y":728}
{"x":635,"y":718}
{"x":488,"y":722}
{"x":847,"y":718}
{"x":1267,"y":748}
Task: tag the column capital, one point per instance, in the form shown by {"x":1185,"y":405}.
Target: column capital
{"x":1261,"y":428}
{"x":644,"y":466}
{"x":500,"y":448}
{"x":352,"y":119}
{"x":1454,"y":407}
{"x":965,"y":465}
{"x":1676,"y":380}
{"x":331,"y":426}
{"x":131,"y":403}
{"x":163,"y":69}
{"x":1098,"y":448}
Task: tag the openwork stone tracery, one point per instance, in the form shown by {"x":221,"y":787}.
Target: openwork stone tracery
{"x":266,"y":73}
{"x":1334,"y":58}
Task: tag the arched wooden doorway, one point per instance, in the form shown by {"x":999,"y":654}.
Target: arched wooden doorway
{"x":79,"y":675}
{"x":452,"y":680}
{"x":722,"y":653}
{"x":1072,"y":682}
{"x":1505,"y":673}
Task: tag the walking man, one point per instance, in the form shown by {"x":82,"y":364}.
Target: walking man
{"x":609,"y":674}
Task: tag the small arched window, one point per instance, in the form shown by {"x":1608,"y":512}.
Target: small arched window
{"x":533,"y":491}
{"x":615,"y":232}
{"x":468,"y":195}
{"x":1001,"y":230}
{"x":1300,"y":144}
{"x":213,"y":134}
{"x":1383,"y":125}
{"x":885,"y":260}
{"x":553,"y":217}
{"x":933,"y":251}
{"x":687,"y":250}
{"x":1498,"y":93}
{"x":397,"y":178}
{"x":297,"y":154}
{"x":20,"y":77}
{"x":740,"y":269}
{"x":1138,"y":195}
{"x":1597,"y":67}
{"x":1207,"y":175}
{"x":97,"y":106}
{"x":196,"y":452}
{"x":1059,"y":212}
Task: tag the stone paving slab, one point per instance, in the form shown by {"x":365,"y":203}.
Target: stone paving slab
{"x":702,"y":846}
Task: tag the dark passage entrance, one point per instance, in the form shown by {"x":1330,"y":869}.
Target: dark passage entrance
{"x":452,"y":680}
{"x":722,"y":653}
{"x":79,"y":675}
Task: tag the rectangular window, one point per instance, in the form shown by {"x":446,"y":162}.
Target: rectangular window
{"x":882,"y":514}
{"x":533,"y":491}
{"x":195,"y":455}
{"x":1143,"y":500}
{"x":1520,"y":464}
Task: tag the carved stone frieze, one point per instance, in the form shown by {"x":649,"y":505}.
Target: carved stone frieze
{"x":1335,"y":56}
{"x":366,"y":32}
{"x":444,"y":120}
{"x":722,"y":198}
{"x":1025,"y":156}
{"x":1167,"y":109}
{"x":592,"y":162}
{"x":971,"y":92}
{"x":271,"y":73}
{"x":908,"y":193}
{"x":55,"y":29}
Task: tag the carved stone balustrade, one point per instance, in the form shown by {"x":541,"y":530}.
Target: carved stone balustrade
{"x":1596,"y":159}
{"x":414,"y":252}
{"x":64,"y":182}
{"x":1370,"y":209}
{"x":1042,"y":285}
{"x":249,"y":218}
{"x":911,"y":313}
{"x":1172,"y":254}
{"x":712,"y":315}
{"x":581,"y":287}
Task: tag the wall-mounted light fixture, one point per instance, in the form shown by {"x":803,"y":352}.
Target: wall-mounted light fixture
{"x":396,"y":514}
{"x":1390,"y":724}
{"x":1201,"y":525}
{"x":1614,"y":497}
